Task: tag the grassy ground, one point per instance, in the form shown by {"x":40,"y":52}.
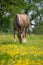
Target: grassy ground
{"x":29,"y":53}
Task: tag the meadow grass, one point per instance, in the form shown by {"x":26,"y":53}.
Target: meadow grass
{"x":29,"y":53}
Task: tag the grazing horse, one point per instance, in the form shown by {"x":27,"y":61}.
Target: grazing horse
{"x":20,"y":24}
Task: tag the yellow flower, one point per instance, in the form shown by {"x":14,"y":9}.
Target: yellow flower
{"x":11,"y":53}
{"x":20,"y":60}
{"x":33,"y":62}
{"x":3,"y":61}
{"x":40,"y":52}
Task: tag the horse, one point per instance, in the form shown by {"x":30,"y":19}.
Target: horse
{"x":21,"y":23}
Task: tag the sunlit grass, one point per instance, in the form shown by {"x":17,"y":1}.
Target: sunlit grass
{"x":29,"y":53}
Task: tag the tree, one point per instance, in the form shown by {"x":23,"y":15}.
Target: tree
{"x":8,"y":8}
{"x":36,"y":7}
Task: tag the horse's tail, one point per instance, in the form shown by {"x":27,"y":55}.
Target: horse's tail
{"x":17,"y":22}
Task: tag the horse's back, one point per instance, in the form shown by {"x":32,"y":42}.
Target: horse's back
{"x":22,"y":20}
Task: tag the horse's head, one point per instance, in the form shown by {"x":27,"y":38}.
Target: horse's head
{"x":21,"y":37}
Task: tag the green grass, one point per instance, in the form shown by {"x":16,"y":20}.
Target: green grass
{"x":29,"y":53}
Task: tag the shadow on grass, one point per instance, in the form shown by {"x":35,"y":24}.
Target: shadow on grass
{"x":9,"y":42}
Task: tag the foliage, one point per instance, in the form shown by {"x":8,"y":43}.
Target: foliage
{"x":39,"y":28}
{"x":8,"y":8}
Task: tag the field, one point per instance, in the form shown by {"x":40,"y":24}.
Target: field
{"x":29,"y":53}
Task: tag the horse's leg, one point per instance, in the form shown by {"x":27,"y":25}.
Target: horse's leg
{"x":14,"y":35}
{"x":24,"y":32}
{"x":24,"y":35}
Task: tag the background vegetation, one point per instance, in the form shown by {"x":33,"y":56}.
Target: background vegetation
{"x":33,"y":8}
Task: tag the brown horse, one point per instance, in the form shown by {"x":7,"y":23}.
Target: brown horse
{"x":20,"y":24}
